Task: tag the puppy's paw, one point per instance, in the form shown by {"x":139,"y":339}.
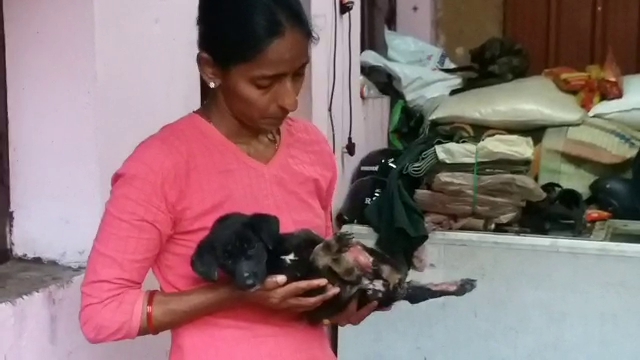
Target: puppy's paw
{"x":456,"y":288}
{"x":466,"y":286}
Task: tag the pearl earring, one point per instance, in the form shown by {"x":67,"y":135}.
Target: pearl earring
{"x":212,"y":85}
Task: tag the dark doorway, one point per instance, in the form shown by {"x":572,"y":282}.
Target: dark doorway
{"x":5,"y":214}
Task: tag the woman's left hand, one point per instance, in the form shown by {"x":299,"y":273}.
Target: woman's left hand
{"x":352,"y":316}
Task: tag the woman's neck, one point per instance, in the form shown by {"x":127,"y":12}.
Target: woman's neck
{"x":220,"y":117}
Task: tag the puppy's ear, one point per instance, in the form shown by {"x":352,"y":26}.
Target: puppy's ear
{"x":204,"y":263}
{"x":266,"y":227}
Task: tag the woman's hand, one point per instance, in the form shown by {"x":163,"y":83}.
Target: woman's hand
{"x":352,"y":316}
{"x":274,"y":294}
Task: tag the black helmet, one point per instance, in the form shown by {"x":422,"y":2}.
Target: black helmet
{"x":361,"y":194}
{"x":376,"y":163}
{"x":617,"y":196}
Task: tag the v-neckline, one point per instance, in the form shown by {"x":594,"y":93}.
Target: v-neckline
{"x":237,"y":151}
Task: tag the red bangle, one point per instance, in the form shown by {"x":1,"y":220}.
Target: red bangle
{"x":150,"y":327}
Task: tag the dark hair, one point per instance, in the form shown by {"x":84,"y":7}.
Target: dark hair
{"x":236,"y":31}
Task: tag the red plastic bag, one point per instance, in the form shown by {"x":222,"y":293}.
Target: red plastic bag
{"x":610,"y":85}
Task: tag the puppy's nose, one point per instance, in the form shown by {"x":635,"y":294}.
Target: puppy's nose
{"x":249,"y":280}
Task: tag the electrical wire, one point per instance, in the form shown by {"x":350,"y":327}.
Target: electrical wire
{"x":333,"y":81}
{"x":350,"y":136}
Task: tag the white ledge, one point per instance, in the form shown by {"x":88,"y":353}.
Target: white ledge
{"x":516,"y":242}
{"x":538,"y":243}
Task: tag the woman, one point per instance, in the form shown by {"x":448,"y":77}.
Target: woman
{"x":238,"y":152}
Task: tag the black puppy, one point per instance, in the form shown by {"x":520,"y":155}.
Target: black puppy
{"x":496,"y":61}
{"x":250,"y":247}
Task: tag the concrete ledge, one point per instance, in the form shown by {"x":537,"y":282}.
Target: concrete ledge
{"x":20,"y":278}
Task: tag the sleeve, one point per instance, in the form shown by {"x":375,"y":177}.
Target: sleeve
{"x":328,"y":201}
{"x":330,"y":192}
{"x":135,"y":223}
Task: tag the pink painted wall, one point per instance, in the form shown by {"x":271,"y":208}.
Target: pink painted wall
{"x":87,"y":81}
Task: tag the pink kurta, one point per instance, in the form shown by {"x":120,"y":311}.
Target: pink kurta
{"x":165,"y":198}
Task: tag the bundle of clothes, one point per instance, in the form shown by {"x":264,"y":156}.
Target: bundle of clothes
{"x":499,"y":151}
{"x":474,"y":185}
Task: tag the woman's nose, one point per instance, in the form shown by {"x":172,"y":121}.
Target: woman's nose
{"x":288,"y":98}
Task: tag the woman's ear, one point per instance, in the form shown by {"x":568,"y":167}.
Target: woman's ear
{"x":209,"y":72}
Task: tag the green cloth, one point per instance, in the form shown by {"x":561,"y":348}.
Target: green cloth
{"x":394,"y":215}
{"x":405,"y":125}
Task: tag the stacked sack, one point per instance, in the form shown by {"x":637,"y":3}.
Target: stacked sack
{"x":601,"y":147}
{"x":476,"y":186}
{"x":484,"y":167}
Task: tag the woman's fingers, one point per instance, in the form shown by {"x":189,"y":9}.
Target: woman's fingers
{"x":274,"y":282}
{"x":363,"y":313}
{"x":309,"y":303}
{"x":300,"y":287}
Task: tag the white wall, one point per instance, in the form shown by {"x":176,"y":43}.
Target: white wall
{"x":320,"y":77}
{"x":418,"y":23}
{"x":94,"y":78}
{"x":44,"y":326}
{"x":87,"y":81}
{"x":537,"y":299}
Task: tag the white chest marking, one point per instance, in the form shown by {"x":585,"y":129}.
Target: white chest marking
{"x":289,"y":258}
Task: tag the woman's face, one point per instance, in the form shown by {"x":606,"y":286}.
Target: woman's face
{"x":260,"y":94}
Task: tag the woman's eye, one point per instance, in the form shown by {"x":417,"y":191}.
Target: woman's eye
{"x":263,"y":85}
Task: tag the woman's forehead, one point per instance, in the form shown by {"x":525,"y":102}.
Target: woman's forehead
{"x":287,"y":54}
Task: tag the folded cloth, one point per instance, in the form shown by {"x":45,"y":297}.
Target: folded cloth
{"x":505,"y":186}
{"x":499,"y":210}
{"x":428,"y":164}
{"x":440,"y":222}
{"x":575,"y":156}
{"x":497,"y":147}
{"x":486,"y":168}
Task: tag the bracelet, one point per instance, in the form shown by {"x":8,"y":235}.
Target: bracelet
{"x":150,"y":327}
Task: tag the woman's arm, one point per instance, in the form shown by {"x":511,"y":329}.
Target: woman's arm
{"x":136,"y":222}
{"x":176,"y":309}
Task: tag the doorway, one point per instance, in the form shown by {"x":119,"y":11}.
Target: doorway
{"x":575,"y":33}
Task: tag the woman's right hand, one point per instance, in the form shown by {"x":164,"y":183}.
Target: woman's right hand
{"x":276,"y":294}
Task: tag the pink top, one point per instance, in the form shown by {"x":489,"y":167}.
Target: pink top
{"x":165,"y":198}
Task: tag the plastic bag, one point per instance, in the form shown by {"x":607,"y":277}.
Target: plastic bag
{"x":409,"y":50}
{"x":423,"y":87}
{"x":611,"y":86}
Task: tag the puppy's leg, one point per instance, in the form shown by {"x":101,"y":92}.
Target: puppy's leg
{"x":343,"y":240}
{"x":417,"y":293}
